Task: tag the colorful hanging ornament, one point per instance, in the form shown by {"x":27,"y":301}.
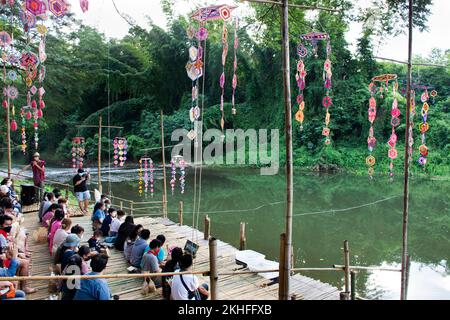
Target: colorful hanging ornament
{"x":23,"y":131}
{"x":84,"y":4}
{"x":120,"y":151}
{"x":235,"y":66}
{"x":78,"y":153}
{"x":327,"y":102}
{"x":36,"y":7}
{"x":395,"y":122}
{"x":182,"y":165}
{"x":152,"y":177}
{"x":58,"y":7}
{"x":141,"y":177}
{"x":424,"y":127}
{"x":173,"y":179}
{"x":411,"y":126}
{"x":202,"y":15}
{"x":383,"y":81}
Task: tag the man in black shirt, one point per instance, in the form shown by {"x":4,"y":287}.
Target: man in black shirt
{"x":81,"y":190}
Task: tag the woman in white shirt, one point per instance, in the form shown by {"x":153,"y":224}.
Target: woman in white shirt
{"x":187,"y":287}
{"x":61,"y":234}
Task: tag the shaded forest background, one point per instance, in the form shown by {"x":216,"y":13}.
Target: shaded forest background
{"x":133,"y":78}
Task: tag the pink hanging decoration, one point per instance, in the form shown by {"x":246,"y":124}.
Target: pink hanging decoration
{"x":120,"y":151}
{"x":383,"y":80}
{"x":24,"y":133}
{"x":235,"y":66}
{"x":395,"y":113}
{"x":78,"y":153}
{"x":84,"y":4}
{"x":182,"y":165}
{"x":173,"y":179}
{"x":222,"y":76}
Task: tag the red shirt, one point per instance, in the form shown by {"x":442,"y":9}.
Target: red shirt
{"x":38,"y":175}
{"x":7,"y":262}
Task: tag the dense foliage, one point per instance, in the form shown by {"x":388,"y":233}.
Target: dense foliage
{"x":128,"y":81}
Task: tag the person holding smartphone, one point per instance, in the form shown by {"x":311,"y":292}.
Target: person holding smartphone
{"x":81,"y":190}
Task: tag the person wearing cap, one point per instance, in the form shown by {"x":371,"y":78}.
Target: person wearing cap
{"x":38,"y":167}
{"x":70,"y":247}
{"x":81,"y":190}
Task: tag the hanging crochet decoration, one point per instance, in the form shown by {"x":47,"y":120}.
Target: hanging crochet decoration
{"x":182,"y":165}
{"x":327,"y":102}
{"x":78,"y":153}
{"x":424,"y":127}
{"x":146,"y":176}
{"x":383,"y":86}
{"x":120,"y":151}
{"x":196,"y":66}
{"x":173,"y":179}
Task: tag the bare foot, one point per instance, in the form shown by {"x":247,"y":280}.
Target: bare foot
{"x":28,"y":290}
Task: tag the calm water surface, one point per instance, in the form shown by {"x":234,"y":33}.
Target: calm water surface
{"x":230,"y":196}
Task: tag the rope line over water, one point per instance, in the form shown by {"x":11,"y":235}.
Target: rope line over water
{"x":301,"y":214}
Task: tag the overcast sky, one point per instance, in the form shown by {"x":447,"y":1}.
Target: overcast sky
{"x":104,"y":17}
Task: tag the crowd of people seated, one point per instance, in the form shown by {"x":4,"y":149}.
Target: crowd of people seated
{"x":72,"y":254}
{"x":14,"y":253}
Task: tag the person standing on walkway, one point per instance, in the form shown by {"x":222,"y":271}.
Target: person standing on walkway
{"x":38,"y":167}
{"x":81,"y":190}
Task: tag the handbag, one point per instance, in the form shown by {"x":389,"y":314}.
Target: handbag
{"x":148,"y":286}
{"x":191,"y":294}
{"x":40,"y":235}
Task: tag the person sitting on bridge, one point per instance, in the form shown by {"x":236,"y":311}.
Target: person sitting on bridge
{"x":186,"y":287}
{"x":95,"y":289}
{"x":49,"y":199}
{"x":139,"y":248}
{"x":106,"y":225}
{"x":98,"y":216}
{"x":150,"y":261}
{"x":49,"y":215}
{"x":124,"y":232}
{"x":11,"y":193}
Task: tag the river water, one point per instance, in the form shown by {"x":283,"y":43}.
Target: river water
{"x":372,"y":225}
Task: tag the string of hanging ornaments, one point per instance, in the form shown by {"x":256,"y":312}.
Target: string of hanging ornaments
{"x":78,"y":153}
{"x":178,"y":162}
{"x":380,"y":84}
{"x":32,"y":14}
{"x":120,"y":151}
{"x":146,"y":176}
{"x":424,"y":127}
{"x":196,"y":64}
{"x":302,"y":51}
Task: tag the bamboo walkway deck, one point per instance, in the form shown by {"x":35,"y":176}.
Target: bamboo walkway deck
{"x":238,"y":287}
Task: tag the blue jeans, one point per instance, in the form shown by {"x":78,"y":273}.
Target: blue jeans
{"x":12,"y":270}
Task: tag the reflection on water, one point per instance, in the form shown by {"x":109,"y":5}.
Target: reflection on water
{"x":374,"y":232}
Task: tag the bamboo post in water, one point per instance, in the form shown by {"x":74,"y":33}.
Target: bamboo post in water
{"x":404,"y":277}
{"x":346,"y":294}
{"x":284,"y":295}
{"x":281,"y":281}
{"x":353,"y":285}
{"x":242,"y":238}
{"x":164,"y":166}
{"x":213,"y":274}
{"x":180,"y":213}
{"x":207,"y":228}
{"x":99,"y":158}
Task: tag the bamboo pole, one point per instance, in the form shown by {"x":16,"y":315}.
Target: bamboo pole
{"x":213,"y":275}
{"x":8,"y":138}
{"x":353,"y":285}
{"x":297,"y":6}
{"x":404,"y":275}
{"x":242,"y":238}
{"x":180,"y":213}
{"x":285,"y":288}
{"x":121,"y":205}
{"x":164,"y":166}
{"x":99,"y":159}
{"x":337,"y":266}
{"x":132,"y":208}
{"x":346,"y":294}
{"x":103,"y":276}
{"x":281,"y":274}
{"x":207,"y":232}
